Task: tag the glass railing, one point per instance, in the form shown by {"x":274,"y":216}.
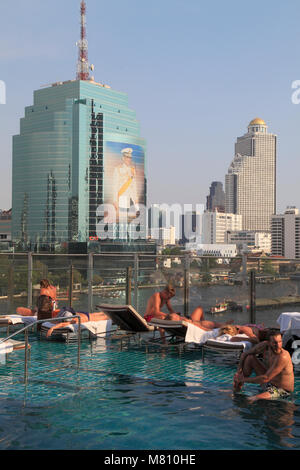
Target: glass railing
{"x":246,"y":289}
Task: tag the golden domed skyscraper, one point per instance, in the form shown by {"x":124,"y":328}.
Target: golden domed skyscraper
{"x":250,"y":184}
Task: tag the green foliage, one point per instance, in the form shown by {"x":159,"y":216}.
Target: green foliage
{"x":267,"y":267}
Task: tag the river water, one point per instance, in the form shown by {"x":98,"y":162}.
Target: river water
{"x":206,"y":296}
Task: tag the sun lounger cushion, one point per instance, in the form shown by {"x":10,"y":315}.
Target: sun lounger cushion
{"x":126,"y":317}
{"x":6,"y":348}
{"x":15,"y":319}
{"x":224,"y":342}
{"x":10,"y":320}
{"x":177,"y":328}
{"x":97,"y":328}
{"x":11,"y":345}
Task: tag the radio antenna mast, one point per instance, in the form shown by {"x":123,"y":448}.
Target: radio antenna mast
{"x":83,"y":68}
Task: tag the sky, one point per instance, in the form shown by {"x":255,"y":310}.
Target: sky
{"x":196,"y":73}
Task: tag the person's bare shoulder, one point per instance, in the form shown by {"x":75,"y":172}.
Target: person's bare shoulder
{"x":286,"y":356}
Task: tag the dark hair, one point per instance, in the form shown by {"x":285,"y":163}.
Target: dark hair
{"x":44,"y":283}
{"x":263,"y":334}
{"x":272,"y":332}
{"x":170,"y":289}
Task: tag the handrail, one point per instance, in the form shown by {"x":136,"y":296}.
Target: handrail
{"x":25,"y":330}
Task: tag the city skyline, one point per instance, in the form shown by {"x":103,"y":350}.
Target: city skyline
{"x":196,"y":95}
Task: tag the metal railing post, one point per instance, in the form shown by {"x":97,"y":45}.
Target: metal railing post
{"x":90,"y":282}
{"x":10,"y":288}
{"x":29,"y":281}
{"x":71,"y":285}
{"x":79,"y":342}
{"x":128,"y":285}
{"x":136,"y":277}
{"x":26,"y":357}
{"x":244,"y":268}
{"x":186,"y":284}
{"x":252,"y":297}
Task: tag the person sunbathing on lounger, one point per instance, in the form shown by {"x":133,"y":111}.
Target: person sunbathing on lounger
{"x":274,"y":372}
{"x":254,"y":334}
{"x":197,"y":318}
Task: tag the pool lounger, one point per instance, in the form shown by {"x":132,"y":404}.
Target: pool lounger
{"x":14,"y":322}
{"x":126,"y":318}
{"x":12,"y":345}
{"x":219,"y":345}
{"x":186,"y":330}
{"x":207,"y":339}
{"x":174,"y":328}
{"x":88,"y":330}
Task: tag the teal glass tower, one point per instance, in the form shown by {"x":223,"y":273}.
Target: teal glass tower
{"x":70,"y":142}
{"x":79,"y":148}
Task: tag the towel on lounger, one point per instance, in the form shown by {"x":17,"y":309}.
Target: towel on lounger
{"x":97,"y":328}
{"x":84,"y":318}
{"x":6,"y":348}
{"x":15,"y":319}
{"x":196,"y":335}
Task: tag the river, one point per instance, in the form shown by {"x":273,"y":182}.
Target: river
{"x":206,"y":296}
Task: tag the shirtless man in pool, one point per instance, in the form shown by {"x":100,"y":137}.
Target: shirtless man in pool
{"x":159,"y":299}
{"x":274,"y":372}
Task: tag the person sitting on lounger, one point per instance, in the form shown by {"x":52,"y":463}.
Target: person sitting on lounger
{"x":274,"y":372}
{"x":157,"y":301}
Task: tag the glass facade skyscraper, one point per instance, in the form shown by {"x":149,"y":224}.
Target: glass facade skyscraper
{"x":69,"y":158}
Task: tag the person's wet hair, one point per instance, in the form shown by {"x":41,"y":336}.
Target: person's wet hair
{"x":272,"y":332}
{"x":263,"y":334}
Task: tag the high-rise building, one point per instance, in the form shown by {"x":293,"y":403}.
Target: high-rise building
{"x":79,"y":147}
{"x":191,"y":227}
{"x":216,"y":198}
{"x":250,"y":185}
{"x":215,"y":226}
{"x":286,"y":234}
{"x":166,"y":236}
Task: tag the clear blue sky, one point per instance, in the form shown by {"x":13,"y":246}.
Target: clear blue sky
{"x":195,"y":72}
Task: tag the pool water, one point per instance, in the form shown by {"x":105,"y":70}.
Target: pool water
{"x":136,"y":398}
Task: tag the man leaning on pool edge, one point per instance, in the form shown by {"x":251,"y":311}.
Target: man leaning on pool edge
{"x":273,"y":369}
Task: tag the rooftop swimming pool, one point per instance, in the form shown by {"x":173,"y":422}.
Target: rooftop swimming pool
{"x":136,"y":398}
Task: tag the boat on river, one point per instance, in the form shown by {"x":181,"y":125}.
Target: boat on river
{"x":219,"y":308}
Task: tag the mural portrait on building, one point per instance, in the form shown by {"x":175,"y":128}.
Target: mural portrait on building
{"x":124,"y":180}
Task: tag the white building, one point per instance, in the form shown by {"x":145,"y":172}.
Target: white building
{"x":213,"y":249}
{"x":215,"y":226}
{"x":286,"y":234}
{"x":250,"y":185}
{"x":251,"y":239}
{"x":167,"y":236}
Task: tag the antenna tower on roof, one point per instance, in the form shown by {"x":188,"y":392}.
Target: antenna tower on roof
{"x":83,"y":68}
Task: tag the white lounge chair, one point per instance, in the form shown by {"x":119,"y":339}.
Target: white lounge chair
{"x":208,"y":340}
